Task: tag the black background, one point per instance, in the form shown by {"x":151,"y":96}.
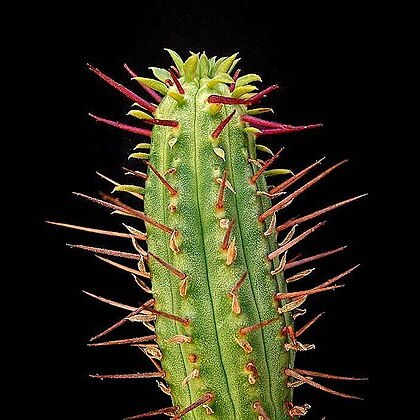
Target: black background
{"x":324,"y":59}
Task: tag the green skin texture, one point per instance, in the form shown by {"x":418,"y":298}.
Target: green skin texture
{"x":213,"y":326}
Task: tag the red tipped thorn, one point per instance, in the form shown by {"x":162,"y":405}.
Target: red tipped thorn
{"x":121,"y":126}
{"x":151,"y":92}
{"x":164,"y":123}
{"x":227,"y":100}
{"x":127,"y":92}
{"x":216,"y":133}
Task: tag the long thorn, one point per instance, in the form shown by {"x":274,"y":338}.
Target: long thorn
{"x":151,"y":92}
{"x":127,"y":92}
{"x":121,"y":126}
{"x":289,"y":182}
{"x":299,"y":191}
{"x":247,"y":330}
{"x":110,"y":302}
{"x":265,"y":165}
{"x":287,"y":130}
{"x":130,"y":375}
{"x":122,"y":321}
{"x":259,"y":122}
{"x":99,"y":231}
{"x":297,"y":263}
{"x":293,"y":242}
{"x":226,"y":238}
{"x":106,"y":251}
{"x":309,"y":324}
{"x":202,"y":400}
{"x":328,"y":376}
{"x":167,"y":410}
{"x":167,"y":185}
{"x":296,"y":375}
{"x":163,"y":123}
{"x":221,"y":194}
{"x":227,"y":100}
{"x":173,"y":317}
{"x":300,"y":293}
{"x":336,"y":278}
{"x":317,"y":213}
{"x":133,"y":212}
{"x":168,"y":266}
{"x":218,"y":130}
{"x":125,"y":268}
{"x":127,"y":341}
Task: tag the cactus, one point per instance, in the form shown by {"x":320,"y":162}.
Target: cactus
{"x":223,"y":339}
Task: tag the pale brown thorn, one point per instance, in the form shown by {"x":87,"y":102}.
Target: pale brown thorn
{"x":135,"y":340}
{"x":130,"y":375}
{"x":290,"y":295}
{"x":106,"y":204}
{"x":123,"y":267}
{"x":296,"y":263}
{"x":99,"y":231}
{"x":328,"y":376}
{"x":264,"y":167}
{"x":166,"y":410}
{"x":122,"y":321}
{"x":110,"y":302}
{"x":127,"y":209}
{"x":285,"y":184}
{"x":173,"y":317}
{"x":221,"y":195}
{"x":317,"y":213}
{"x":336,"y":278}
{"x":167,"y":185}
{"x":296,"y":375}
{"x":299,"y":191}
{"x":226,"y":238}
{"x":202,"y":400}
{"x":309,"y":324}
{"x":295,"y":258}
{"x":170,"y":267}
{"x":247,"y":330}
{"x":106,"y":251}
{"x":239,"y":283}
{"x":260,"y":410}
{"x":293,"y":242}
{"x":138,"y":174}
